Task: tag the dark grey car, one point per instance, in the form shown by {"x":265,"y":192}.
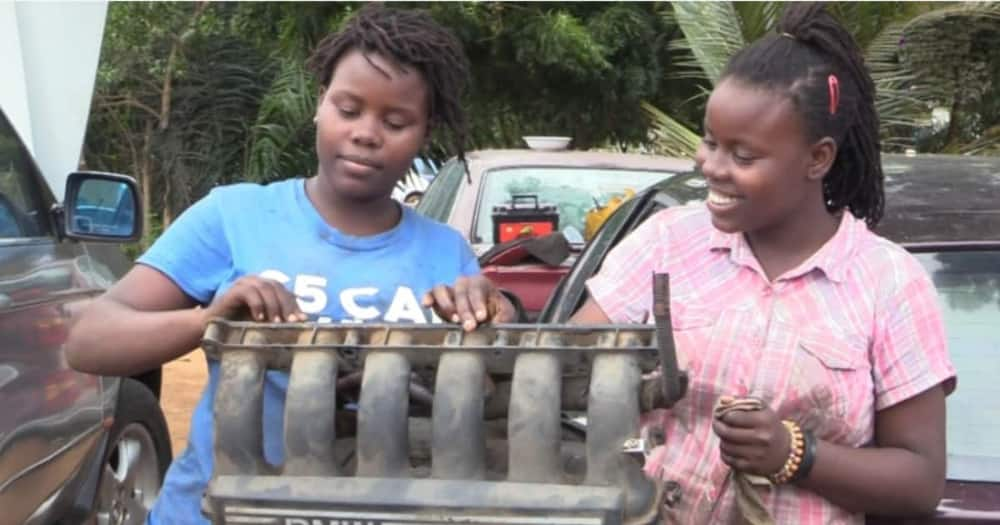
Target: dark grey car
{"x":74,"y":447}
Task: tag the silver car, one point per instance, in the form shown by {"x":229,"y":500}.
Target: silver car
{"x":74,"y":447}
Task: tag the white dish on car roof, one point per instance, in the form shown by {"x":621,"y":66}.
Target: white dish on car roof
{"x":547,"y":143}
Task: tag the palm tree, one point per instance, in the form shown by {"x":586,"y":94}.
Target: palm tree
{"x":281,"y":139}
{"x":905,"y":48}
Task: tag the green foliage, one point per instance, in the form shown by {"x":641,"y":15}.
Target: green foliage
{"x":988,"y":143}
{"x":206,"y":142}
{"x":669,"y":136}
{"x":560,"y":41}
{"x":174,"y":90}
{"x":757,"y":18}
{"x":283,"y":135}
{"x":951,"y":53}
{"x":577,"y":69}
{"x":190,"y":95}
{"x":922,"y":56}
{"x":713,"y":32}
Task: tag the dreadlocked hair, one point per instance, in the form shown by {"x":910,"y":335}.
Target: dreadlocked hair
{"x":411,"y":38}
{"x":810,"y":46}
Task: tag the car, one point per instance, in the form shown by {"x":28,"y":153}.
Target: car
{"x":73,"y":446}
{"x":466,"y":195}
{"x":946,"y":211}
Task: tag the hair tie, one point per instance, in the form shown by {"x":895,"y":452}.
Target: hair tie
{"x":788,"y":36}
{"x":834,"y":86}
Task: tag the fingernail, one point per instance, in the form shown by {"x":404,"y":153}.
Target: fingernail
{"x":469,"y":325}
{"x":481,"y":315}
{"x":260,"y":317}
{"x":455,"y":318}
{"x":277,"y":318}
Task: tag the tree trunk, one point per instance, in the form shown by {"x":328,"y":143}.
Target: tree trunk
{"x":166,"y":98}
{"x":952,"y":138}
{"x":146,"y":184}
{"x":166,"y":94}
{"x":168,"y":210}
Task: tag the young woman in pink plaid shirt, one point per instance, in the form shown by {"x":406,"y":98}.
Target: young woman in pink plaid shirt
{"x":783,"y":296}
{"x":815,"y":348}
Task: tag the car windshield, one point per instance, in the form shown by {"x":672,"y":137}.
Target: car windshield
{"x":574,"y":192}
{"x":968,"y":284}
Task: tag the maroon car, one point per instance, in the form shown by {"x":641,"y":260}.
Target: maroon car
{"x":946,"y":211}
{"x":566,"y":184}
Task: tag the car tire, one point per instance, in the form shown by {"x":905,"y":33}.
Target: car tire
{"x":136,"y":458}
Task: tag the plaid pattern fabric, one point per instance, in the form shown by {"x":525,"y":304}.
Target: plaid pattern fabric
{"x":854,"y":329}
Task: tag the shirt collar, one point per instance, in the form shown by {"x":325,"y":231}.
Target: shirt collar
{"x":831,"y":258}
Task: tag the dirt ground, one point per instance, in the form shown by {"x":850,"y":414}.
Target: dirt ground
{"x":183,"y":381}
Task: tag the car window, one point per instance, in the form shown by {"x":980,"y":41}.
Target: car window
{"x":968,"y":284}
{"x":571,"y":292}
{"x":22,"y":214}
{"x":574,"y":192}
{"x":440,"y":195}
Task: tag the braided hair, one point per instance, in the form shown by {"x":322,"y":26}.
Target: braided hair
{"x":811,"y":45}
{"x":411,"y":38}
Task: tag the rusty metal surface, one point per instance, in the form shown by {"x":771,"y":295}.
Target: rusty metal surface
{"x":534,"y":424}
{"x":355,"y":500}
{"x":499,"y":344}
{"x":239,"y":436}
{"x":486,"y":443}
{"x":674,"y":380}
{"x":459,"y":433}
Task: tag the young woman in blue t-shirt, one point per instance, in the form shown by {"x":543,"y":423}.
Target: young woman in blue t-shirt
{"x":333,"y":247}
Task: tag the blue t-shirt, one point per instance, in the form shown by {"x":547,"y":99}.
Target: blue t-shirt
{"x":274,"y":231}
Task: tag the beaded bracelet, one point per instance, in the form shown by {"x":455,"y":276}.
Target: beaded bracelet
{"x":795,"y":453}
{"x":808,"y":456}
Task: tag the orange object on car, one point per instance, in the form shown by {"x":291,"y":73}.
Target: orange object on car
{"x":523,"y":216}
{"x":598,"y":214}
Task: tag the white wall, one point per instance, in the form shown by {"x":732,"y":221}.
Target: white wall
{"x":13,"y":94}
{"x":48,"y":56}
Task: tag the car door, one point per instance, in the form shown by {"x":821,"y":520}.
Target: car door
{"x":570,"y":294}
{"x":50,"y":415}
{"x":438,"y":202}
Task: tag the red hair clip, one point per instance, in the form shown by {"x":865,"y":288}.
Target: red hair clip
{"x":834,"y":86}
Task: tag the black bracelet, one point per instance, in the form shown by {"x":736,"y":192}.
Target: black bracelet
{"x":808,"y":456}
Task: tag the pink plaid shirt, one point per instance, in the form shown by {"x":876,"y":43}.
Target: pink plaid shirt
{"x":856,"y":328}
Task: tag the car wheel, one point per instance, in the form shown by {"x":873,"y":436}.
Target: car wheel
{"x":137,"y":457}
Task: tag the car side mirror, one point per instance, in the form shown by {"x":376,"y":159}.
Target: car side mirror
{"x":102,"y":207}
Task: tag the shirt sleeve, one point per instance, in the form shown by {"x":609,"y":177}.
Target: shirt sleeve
{"x":910,"y":351}
{"x":623,"y":286}
{"x":194,"y":252}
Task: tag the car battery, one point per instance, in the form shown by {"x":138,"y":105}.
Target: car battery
{"x":523,"y":216}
